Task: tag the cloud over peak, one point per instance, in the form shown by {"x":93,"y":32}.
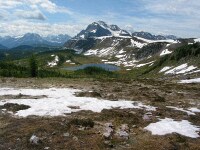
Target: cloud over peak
{"x":36,"y":15}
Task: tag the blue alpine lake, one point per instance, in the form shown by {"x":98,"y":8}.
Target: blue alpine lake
{"x":103,"y":66}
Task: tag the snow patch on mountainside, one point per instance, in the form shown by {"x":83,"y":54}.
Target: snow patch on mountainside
{"x":165,"y":52}
{"x":195,"y":71}
{"x":156,"y":41}
{"x":101,"y":52}
{"x":94,"y":31}
{"x":54,"y":62}
{"x":165,"y":69}
{"x":82,"y":36}
{"x":137,"y":44}
{"x":197,"y":40}
{"x":141,"y":65}
{"x":184,"y":68}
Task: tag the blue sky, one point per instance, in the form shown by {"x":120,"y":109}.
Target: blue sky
{"x":178,"y":17}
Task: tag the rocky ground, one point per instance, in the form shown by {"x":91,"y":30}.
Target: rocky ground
{"x":110,"y":129}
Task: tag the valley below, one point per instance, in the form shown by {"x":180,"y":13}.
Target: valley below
{"x":89,"y":113}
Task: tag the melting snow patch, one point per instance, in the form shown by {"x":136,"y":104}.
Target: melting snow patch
{"x":91,"y":52}
{"x":181,"y":109}
{"x":94,"y":31}
{"x":68,"y":61}
{"x":54,"y":62}
{"x":137,"y":44}
{"x":168,"y":126}
{"x":197,"y":40}
{"x":165,"y":69}
{"x":195,"y":71}
{"x":195,"y":110}
{"x":197,"y":80}
{"x":184,"y":68}
{"x":165,"y":52}
{"x":120,"y":56}
{"x":157,"y":41}
{"x":141,"y":65}
{"x":58,"y":102}
{"x":82,"y":36}
{"x":122,"y":51}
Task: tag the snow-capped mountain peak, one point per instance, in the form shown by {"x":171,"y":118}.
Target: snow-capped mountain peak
{"x":101,"y":29}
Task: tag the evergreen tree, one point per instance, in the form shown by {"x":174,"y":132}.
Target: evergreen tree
{"x":33,"y":66}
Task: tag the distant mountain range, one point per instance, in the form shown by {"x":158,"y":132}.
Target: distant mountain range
{"x":32,"y":39}
{"x":2,"y":47}
{"x":150,"y":36}
{"x":83,"y":40}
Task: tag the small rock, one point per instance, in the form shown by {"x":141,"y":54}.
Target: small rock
{"x":75,"y":138}
{"x":47,"y":148}
{"x":124,"y":127}
{"x":106,"y":142}
{"x":108,"y":130}
{"x":81,"y":129}
{"x":146,"y":118}
{"x":63,"y":119}
{"x":34,"y":139}
{"x":109,"y":125}
{"x":132,"y":112}
{"x":123,"y":134}
{"x":66,"y":134}
{"x":107,"y":134}
{"x":134,"y":126}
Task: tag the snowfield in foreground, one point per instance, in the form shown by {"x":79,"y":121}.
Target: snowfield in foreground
{"x":58,"y":102}
{"x":167,"y":126}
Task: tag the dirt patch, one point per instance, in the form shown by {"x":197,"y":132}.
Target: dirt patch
{"x":88,"y":94}
{"x":14,"y":107}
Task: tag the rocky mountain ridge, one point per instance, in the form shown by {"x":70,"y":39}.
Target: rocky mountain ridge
{"x":33,"y":39}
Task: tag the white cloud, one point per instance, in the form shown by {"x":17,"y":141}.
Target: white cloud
{"x":7,"y":4}
{"x":30,"y":14}
{"x":129,"y":27}
{"x":53,"y":8}
{"x":176,"y":7}
{"x":45,"y":5}
{"x":21,"y":27}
